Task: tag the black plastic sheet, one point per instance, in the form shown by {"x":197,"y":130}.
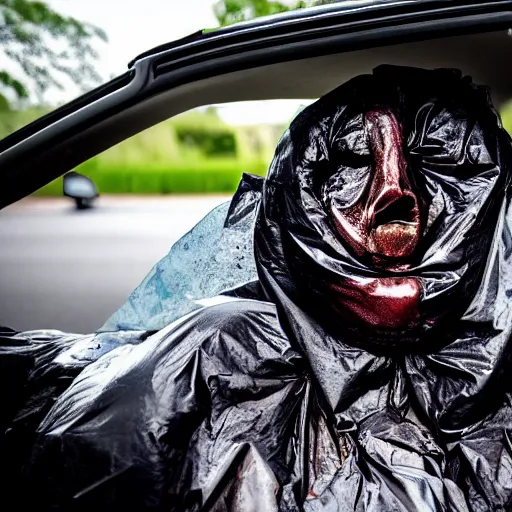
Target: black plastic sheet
{"x":368,"y":368}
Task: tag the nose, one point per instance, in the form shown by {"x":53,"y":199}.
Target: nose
{"x":391,"y":197}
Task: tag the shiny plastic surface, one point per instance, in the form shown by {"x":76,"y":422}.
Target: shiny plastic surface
{"x":368,"y":369}
{"x":214,"y":256}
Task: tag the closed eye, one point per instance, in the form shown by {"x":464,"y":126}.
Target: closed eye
{"x":354,"y":160}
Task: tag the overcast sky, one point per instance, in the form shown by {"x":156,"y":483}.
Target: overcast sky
{"x":134,"y":26}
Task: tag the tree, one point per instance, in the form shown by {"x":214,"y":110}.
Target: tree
{"x":46,"y":46}
{"x":228,"y":12}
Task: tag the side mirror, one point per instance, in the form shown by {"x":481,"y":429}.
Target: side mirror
{"x":80,"y":188}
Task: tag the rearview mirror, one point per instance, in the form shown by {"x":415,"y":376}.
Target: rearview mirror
{"x":80,"y":188}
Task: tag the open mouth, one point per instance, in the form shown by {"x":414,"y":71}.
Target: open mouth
{"x":403,"y":211}
{"x":395,"y":230}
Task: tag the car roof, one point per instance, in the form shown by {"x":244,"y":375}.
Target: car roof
{"x":344,"y":7}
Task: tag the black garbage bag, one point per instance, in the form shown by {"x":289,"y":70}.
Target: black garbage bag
{"x":366,"y":369}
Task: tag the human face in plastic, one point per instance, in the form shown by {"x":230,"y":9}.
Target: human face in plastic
{"x":373,"y":204}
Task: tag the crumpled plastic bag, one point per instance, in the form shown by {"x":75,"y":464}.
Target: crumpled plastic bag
{"x":271,"y":397}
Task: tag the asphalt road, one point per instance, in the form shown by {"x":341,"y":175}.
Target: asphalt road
{"x":70,"y":270}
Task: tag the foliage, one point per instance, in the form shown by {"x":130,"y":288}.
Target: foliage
{"x":46,"y":46}
{"x":228,"y":12}
{"x":200,"y":177}
{"x":192,"y":136}
{"x":155,"y":162}
{"x":506,"y":117}
{"x":205,"y":133}
{"x":12,"y":120}
{"x":211,"y":143}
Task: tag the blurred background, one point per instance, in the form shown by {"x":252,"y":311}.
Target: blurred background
{"x":55,"y":50}
{"x":68,"y":269}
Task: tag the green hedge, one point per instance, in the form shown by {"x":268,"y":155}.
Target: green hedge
{"x":195,"y":152}
{"x":209,"y":142}
{"x":197,"y":178}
